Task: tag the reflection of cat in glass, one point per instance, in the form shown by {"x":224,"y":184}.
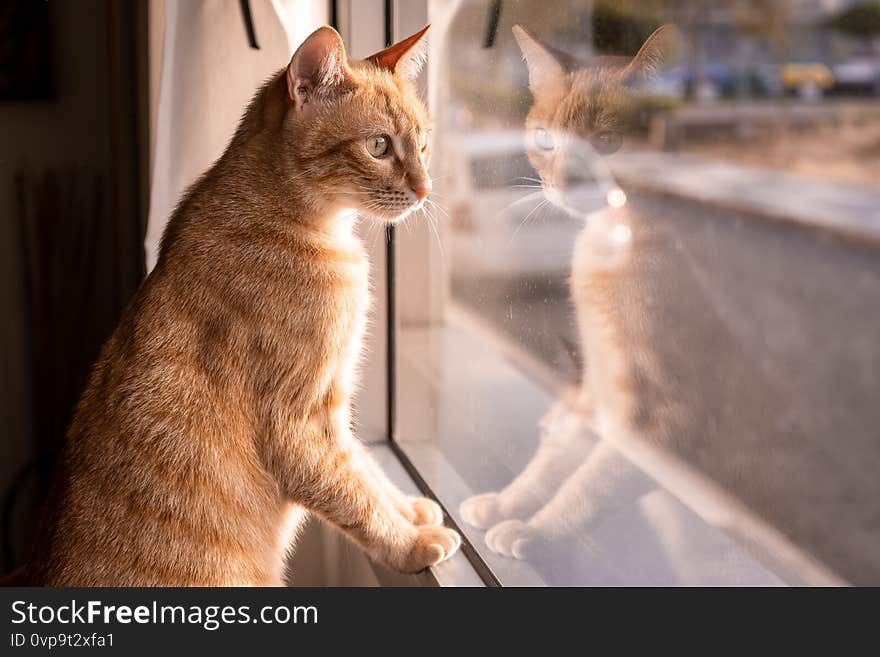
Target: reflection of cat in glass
{"x":573,"y":480}
{"x":741,"y":347}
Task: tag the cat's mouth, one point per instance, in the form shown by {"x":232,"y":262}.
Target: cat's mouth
{"x":583,"y":188}
{"x":391,"y":207}
{"x":578,"y":200}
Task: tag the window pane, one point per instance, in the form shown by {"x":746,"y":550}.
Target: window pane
{"x":656,"y":359}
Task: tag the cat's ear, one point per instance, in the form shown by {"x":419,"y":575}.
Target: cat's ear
{"x":546,"y":75}
{"x":317,"y":69}
{"x":405,"y":58}
{"x":659,"y":50}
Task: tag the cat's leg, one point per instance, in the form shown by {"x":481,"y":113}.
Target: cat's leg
{"x":418,"y":510}
{"x":603,"y":484}
{"x":565,"y":442}
{"x":336,"y":479}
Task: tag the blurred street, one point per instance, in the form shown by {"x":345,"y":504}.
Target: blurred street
{"x":758,"y":325}
{"x":536,"y":311}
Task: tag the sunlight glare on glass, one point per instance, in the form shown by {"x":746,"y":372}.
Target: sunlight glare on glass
{"x":621,"y":234}
{"x":616,"y":198}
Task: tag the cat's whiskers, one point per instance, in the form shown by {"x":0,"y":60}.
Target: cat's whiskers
{"x":433,"y":225}
{"x":437,"y":206}
{"x":426,"y":210}
{"x":533,"y":211}
{"x":372,"y":234}
{"x":523,"y":199}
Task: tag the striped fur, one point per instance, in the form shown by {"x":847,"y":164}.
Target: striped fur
{"x":217,"y":416}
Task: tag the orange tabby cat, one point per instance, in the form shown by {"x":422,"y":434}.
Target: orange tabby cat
{"x":218,"y":414}
{"x":575,"y":478}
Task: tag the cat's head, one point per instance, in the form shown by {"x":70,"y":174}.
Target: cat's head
{"x":358,"y":130}
{"x":578,"y":116}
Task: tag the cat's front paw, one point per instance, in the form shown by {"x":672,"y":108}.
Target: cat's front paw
{"x":422,"y":511}
{"x":431,"y":546}
{"x":482,"y":511}
{"x":512,"y":538}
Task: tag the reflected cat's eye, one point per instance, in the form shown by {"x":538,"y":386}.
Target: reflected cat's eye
{"x":378,"y":145}
{"x":607,"y":142}
{"x":544,"y":140}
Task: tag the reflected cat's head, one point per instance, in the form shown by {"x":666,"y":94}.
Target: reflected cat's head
{"x":579,"y":115}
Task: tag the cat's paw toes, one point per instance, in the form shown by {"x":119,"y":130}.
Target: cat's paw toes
{"x":482,"y":511}
{"x":426,"y":512}
{"x":432,"y":545}
{"x":527,"y":547}
{"x":511,"y":538}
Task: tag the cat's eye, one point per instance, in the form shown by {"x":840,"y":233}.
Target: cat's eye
{"x":544,"y":140}
{"x":607,"y":142}
{"x":378,"y":145}
{"x":424,"y":142}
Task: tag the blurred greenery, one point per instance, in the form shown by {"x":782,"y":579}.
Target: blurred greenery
{"x":862,"y":20}
{"x":507,"y":102}
{"x":620,"y":27}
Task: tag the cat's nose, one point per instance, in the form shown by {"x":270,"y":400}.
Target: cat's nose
{"x":578,"y":176}
{"x":421,"y":189}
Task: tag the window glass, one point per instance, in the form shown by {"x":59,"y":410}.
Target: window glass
{"x":657,"y":356}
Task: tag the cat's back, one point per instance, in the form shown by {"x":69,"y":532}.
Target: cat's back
{"x":158,"y":481}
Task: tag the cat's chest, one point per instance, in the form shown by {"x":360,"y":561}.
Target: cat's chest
{"x":349,"y":288}
{"x":347,"y":305}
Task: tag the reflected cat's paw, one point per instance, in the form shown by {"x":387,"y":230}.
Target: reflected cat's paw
{"x":482,"y":511}
{"x":512,"y":538}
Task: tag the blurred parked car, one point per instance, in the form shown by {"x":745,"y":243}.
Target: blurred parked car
{"x":496,"y":231}
{"x":718,"y":81}
{"x":857,"y":75}
{"x":808,"y":80}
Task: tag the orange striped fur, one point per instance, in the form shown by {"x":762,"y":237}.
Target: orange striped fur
{"x":217,"y":416}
